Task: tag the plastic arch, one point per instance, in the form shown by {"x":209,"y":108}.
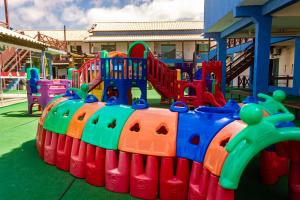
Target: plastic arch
{"x":258,"y":135}
{"x":134,"y":44}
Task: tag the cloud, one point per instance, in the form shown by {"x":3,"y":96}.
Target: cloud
{"x":150,"y":11}
{"x":53,"y":14}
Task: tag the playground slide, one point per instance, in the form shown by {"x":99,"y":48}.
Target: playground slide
{"x":164,"y":80}
{"x":90,"y":73}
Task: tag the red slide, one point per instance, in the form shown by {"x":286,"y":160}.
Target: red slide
{"x":164,"y":80}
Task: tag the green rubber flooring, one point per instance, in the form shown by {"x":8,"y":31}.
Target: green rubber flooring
{"x":23,"y":175}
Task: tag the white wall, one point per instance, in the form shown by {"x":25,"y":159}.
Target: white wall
{"x":84,"y":46}
{"x":122,"y":47}
{"x":286,"y":64}
{"x":189,"y":49}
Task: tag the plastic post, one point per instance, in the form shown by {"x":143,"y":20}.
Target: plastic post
{"x":212,"y":186}
{"x":40,"y":140}
{"x":174,"y":185}
{"x":117,"y":169}
{"x":95,"y":165}
{"x":294,"y":180}
{"x":63,"y":152}
{"x":194,"y":184}
{"x":272,"y":167}
{"x":50,"y":147}
{"x":77,"y":161}
{"x":224,"y":194}
{"x":144,"y":179}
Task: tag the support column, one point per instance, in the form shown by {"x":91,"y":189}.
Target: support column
{"x":263,"y":28}
{"x":49,"y":57}
{"x":221,"y":55}
{"x":43,"y":64}
{"x":296,"y":80}
{"x":251,"y":77}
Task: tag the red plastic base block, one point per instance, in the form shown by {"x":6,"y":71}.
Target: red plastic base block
{"x":40,"y":140}
{"x":224,"y":194}
{"x":294,"y":180}
{"x":63,"y":152}
{"x":272,"y":167}
{"x":50,"y":147}
{"x":117,"y":171}
{"x":77,"y":161}
{"x":204,"y":185}
{"x":144,"y":179}
{"x":174,"y":185}
{"x":198,"y":182}
{"x":95,"y":165}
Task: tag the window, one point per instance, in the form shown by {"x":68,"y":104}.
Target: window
{"x":76,"y":49}
{"x":96,"y":49}
{"x":108,"y":47}
{"x":168,"y":51}
{"x":201,"y":47}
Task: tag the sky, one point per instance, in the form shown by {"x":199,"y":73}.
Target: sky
{"x":80,"y":14}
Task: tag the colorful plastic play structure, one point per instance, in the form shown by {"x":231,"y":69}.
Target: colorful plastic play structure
{"x":169,"y":153}
{"x":120,"y":72}
{"x":41,"y":91}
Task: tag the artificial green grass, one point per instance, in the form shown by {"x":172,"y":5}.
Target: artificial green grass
{"x":25,"y":176}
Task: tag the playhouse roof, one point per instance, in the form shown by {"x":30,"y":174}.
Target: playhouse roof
{"x":14,"y":38}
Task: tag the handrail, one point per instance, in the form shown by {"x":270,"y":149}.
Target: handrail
{"x":248,"y":51}
{"x":15,"y":59}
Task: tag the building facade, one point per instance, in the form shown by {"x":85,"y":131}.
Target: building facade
{"x":171,"y":41}
{"x":274,"y":24}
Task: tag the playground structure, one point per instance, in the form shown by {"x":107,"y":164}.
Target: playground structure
{"x":148,"y":151}
{"x":120,"y":73}
{"x":41,"y":91}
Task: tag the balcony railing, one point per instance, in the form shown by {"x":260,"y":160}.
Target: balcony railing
{"x":282,"y":81}
{"x":52,"y":42}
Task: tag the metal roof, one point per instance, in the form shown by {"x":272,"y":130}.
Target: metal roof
{"x":71,"y":35}
{"x":14,"y":38}
{"x":130,"y":38}
{"x":146,"y":26}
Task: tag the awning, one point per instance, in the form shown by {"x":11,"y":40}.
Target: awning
{"x":12,"y":38}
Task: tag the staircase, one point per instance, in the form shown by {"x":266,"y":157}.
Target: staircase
{"x":240,"y":64}
{"x":13,"y":58}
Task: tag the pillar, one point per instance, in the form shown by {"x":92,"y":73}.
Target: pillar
{"x":263,"y":28}
{"x":221,"y":55}
{"x":251,"y":76}
{"x":296,"y":81}
{"x":43,"y":64}
{"x":49,"y":57}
